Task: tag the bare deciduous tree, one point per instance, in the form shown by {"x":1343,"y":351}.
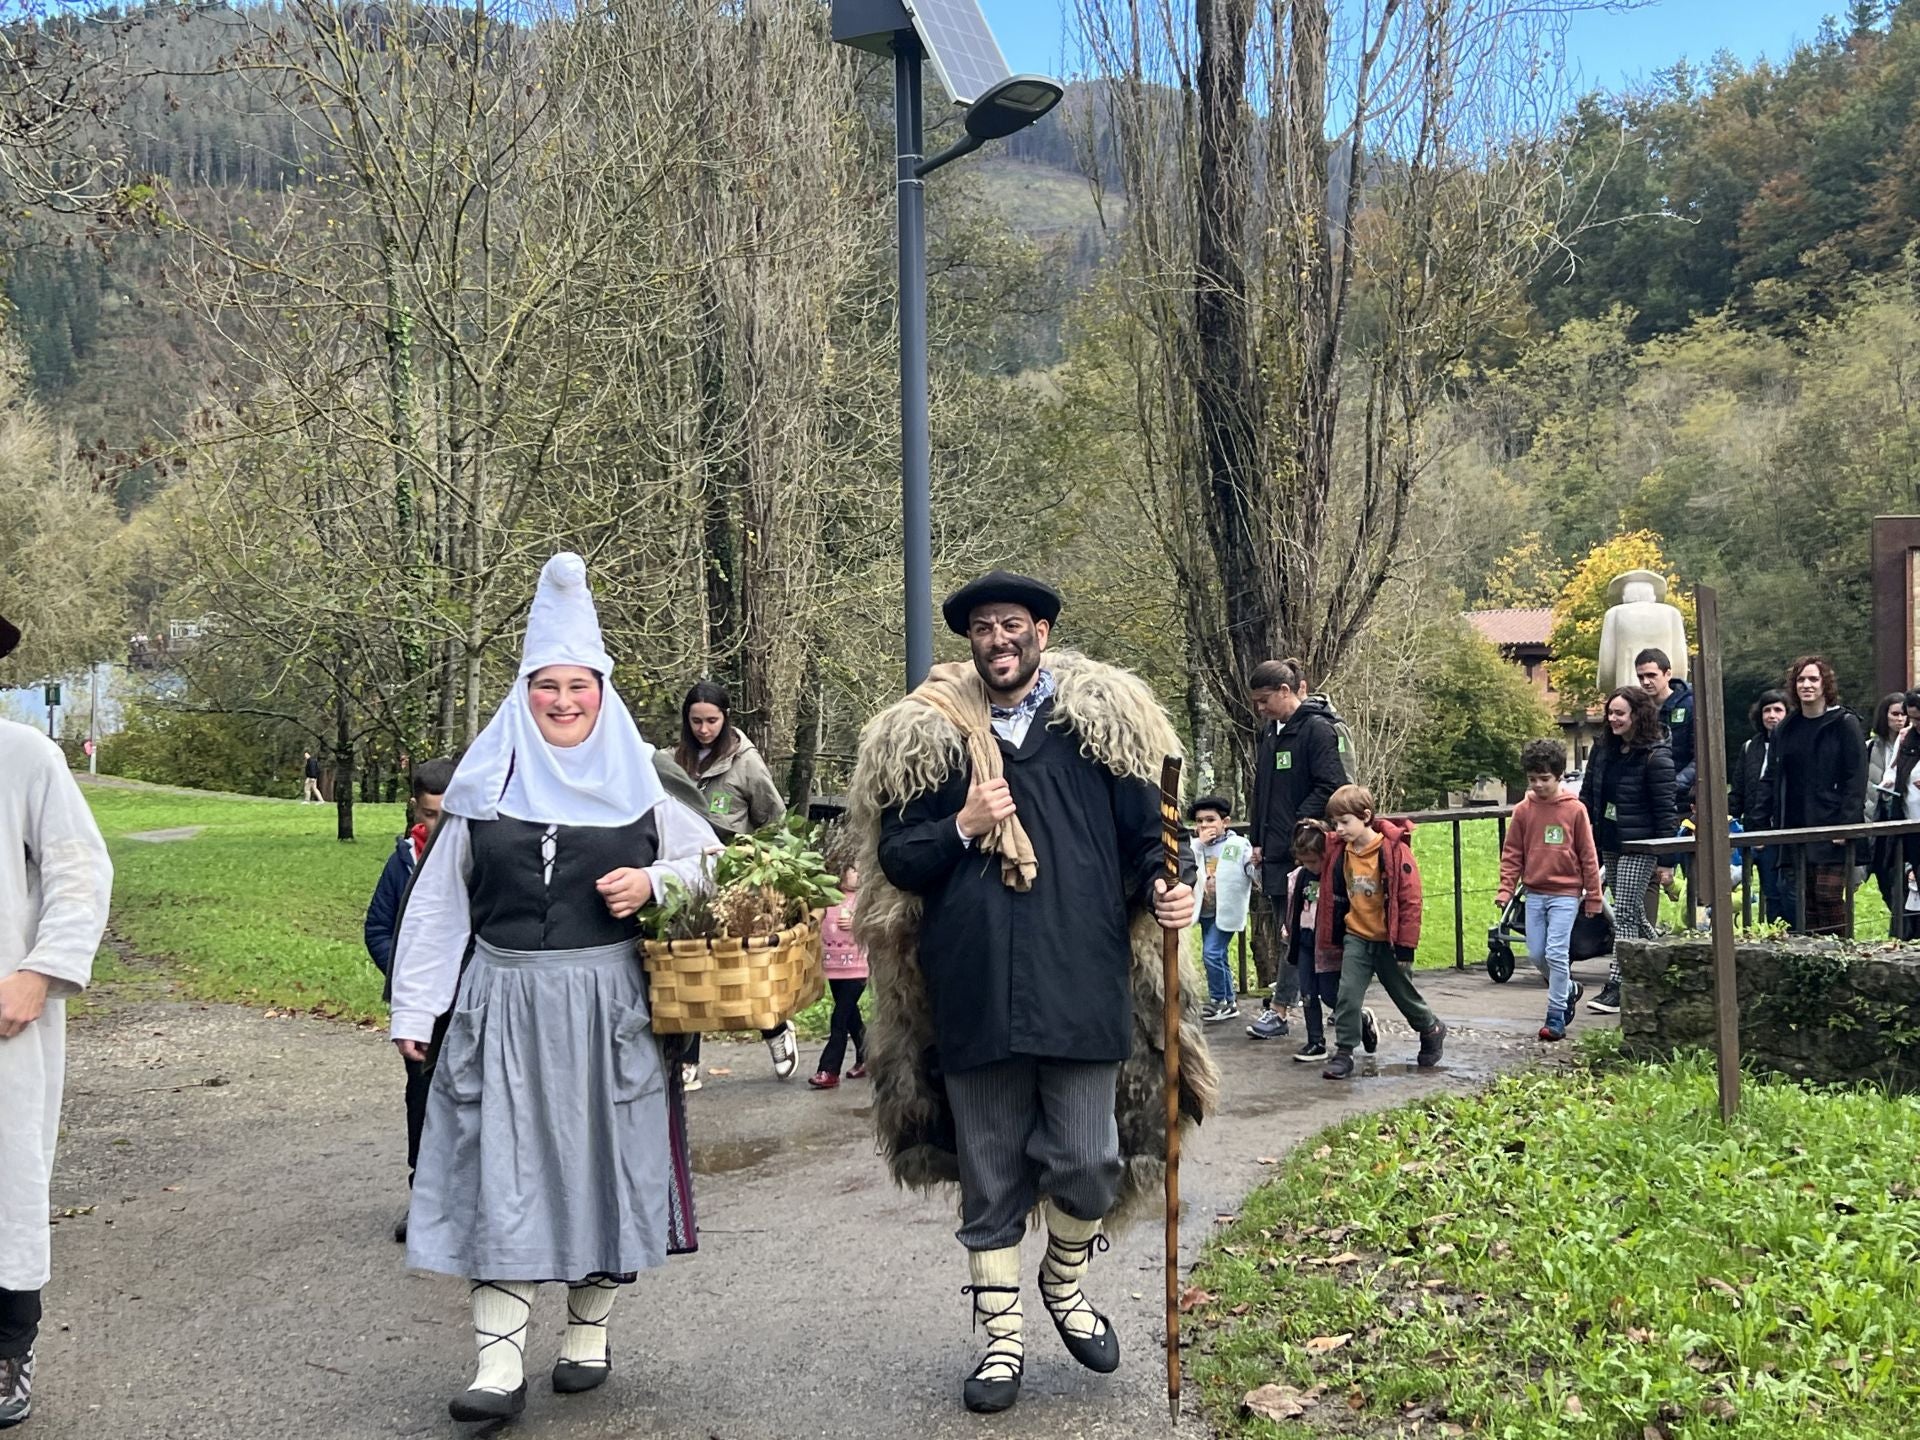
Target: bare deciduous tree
{"x":1326,"y":207}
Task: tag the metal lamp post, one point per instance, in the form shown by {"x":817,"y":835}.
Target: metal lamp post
{"x":954,"y":35}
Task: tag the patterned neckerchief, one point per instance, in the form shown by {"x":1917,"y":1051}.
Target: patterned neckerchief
{"x":1030,"y":703}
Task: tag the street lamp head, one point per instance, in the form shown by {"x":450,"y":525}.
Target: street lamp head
{"x":1012,"y":105}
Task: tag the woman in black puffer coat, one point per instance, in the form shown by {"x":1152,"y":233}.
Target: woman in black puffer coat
{"x":1817,"y":777}
{"x":1629,"y":794}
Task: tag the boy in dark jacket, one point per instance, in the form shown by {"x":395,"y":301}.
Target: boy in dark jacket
{"x":430,"y":783}
{"x":1370,"y":912}
{"x":1654,"y":670}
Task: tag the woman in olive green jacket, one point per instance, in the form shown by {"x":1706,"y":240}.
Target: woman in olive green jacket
{"x":741,"y":797}
{"x":725,"y":764}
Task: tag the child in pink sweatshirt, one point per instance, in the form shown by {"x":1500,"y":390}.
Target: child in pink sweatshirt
{"x":1549,"y":849}
{"x":846,"y":966}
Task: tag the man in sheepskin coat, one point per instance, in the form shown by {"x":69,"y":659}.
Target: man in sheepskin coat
{"x":1012,"y":902}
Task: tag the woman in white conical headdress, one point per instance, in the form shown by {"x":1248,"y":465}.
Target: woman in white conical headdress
{"x":554,"y":1147}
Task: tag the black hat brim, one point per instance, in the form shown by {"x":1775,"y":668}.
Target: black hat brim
{"x":1000,"y":587}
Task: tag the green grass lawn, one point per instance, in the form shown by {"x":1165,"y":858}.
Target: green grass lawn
{"x":263,"y":907}
{"x":1585,"y":1255}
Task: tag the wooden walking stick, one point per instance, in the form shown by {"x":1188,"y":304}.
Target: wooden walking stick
{"x":1170,"y":1049}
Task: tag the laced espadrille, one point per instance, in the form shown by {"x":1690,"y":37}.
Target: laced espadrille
{"x":501,"y":1309}
{"x":1088,"y":1335}
{"x":584,"y":1363}
{"x":994,"y":1384}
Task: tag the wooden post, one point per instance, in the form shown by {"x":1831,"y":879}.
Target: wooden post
{"x":1459,"y":905}
{"x":1170,"y":1047}
{"x":1714,"y":850}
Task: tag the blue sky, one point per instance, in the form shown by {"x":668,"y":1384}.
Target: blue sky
{"x":1607,"y":50}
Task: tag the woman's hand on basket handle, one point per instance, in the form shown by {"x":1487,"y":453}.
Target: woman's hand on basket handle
{"x":626,"y":891}
{"x":412,"y":1050}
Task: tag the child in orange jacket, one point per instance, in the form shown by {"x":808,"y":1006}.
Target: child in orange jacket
{"x":1370,"y":915}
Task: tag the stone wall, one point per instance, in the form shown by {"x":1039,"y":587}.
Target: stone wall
{"x":1819,"y":1010}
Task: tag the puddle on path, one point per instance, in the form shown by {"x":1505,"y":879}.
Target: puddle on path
{"x":727,"y":1156}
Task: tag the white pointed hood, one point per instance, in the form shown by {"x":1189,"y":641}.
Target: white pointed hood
{"x":608,"y":778}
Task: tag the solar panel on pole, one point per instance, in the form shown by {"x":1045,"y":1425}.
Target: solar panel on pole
{"x":964,"y":53}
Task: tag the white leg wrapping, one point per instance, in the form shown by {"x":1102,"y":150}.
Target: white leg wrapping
{"x":501,"y":1309}
{"x":1070,"y":1247}
{"x":589,"y":1304}
{"x":996,"y":1308}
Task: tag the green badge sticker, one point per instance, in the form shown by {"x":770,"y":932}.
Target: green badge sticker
{"x":1344,"y":746}
{"x":1283,"y":761}
{"x":1554,"y":835}
{"x":1680,"y":715}
{"x":720,"y":803}
{"x":1613,"y":812}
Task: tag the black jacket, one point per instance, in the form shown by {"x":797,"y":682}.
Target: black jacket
{"x":1677,"y":714}
{"x":1629,"y":794}
{"x":1816,"y":771}
{"x":1048,"y":972}
{"x":383,"y":912}
{"x":1744,"y":794}
{"x":1296,"y":769}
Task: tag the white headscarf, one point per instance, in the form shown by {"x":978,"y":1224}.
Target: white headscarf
{"x":608,"y":778}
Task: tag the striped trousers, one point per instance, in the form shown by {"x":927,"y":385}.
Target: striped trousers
{"x":1029,"y":1128}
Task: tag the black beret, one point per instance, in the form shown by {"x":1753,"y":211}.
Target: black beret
{"x":9,"y":637}
{"x":1042,"y":600}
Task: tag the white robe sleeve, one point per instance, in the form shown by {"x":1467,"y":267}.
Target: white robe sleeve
{"x":685,"y":838}
{"x":76,"y":880}
{"x":433,"y":935}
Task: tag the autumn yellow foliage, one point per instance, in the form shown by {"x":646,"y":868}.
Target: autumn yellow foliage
{"x":1581,"y":606}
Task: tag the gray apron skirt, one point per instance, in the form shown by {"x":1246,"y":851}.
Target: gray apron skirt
{"x":553,"y":1149}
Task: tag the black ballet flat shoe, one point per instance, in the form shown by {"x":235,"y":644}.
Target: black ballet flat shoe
{"x":488,"y":1404}
{"x":990,"y":1397}
{"x":574,"y":1377}
{"x":1099,"y":1353}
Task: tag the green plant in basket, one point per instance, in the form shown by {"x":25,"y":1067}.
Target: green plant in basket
{"x":762,"y":884}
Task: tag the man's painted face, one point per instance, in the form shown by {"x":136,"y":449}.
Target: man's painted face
{"x":427,"y":811}
{"x":1007,"y":643}
{"x":565,"y":701}
{"x":1209,"y":825}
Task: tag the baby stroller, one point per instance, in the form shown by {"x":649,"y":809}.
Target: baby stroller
{"x":1592,"y":937}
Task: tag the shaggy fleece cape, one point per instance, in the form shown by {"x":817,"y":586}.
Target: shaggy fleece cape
{"x":906,"y":751}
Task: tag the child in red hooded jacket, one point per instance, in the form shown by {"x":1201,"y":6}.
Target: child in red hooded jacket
{"x":1370,"y":915}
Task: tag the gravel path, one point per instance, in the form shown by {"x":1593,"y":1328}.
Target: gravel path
{"x":225,"y":1268}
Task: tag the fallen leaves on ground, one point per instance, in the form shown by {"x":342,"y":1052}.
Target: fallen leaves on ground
{"x":1193,"y":1297}
{"x":1279,"y":1402}
{"x":1321,"y":1344}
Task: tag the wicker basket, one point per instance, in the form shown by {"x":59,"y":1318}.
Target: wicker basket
{"x":731,"y":984}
